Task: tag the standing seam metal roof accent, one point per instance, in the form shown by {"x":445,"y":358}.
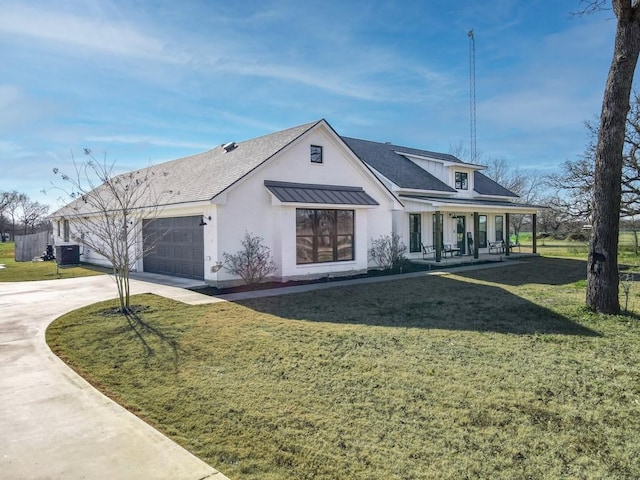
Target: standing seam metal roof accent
{"x":326,"y":194}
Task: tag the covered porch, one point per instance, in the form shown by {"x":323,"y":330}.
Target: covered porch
{"x":453,"y":231}
{"x":463,"y":260}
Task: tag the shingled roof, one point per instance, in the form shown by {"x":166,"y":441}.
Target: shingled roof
{"x":206,"y":175}
{"x":203,"y":176}
{"x":485,"y":186}
{"x":397,"y":168}
{"x":384,"y":158}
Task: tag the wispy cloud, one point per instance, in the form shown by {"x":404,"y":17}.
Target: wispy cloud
{"x":364,"y":76}
{"x":81,"y":32}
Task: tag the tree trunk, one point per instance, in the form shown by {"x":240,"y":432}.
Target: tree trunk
{"x":602,"y":269}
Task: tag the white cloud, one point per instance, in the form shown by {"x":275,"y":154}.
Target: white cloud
{"x":82,"y":32}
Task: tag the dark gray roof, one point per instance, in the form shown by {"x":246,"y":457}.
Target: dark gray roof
{"x":383,"y":157}
{"x":327,"y":194}
{"x":485,"y":186}
{"x":400,"y":170}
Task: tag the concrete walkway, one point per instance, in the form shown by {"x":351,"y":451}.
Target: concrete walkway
{"x":53,"y":424}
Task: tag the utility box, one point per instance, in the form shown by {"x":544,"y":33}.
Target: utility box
{"x":68,"y":254}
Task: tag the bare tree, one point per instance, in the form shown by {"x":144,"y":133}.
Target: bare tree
{"x":555,"y":221}
{"x":602,"y":271}
{"x":13,"y":200}
{"x":528,"y":186}
{"x":31,"y":213}
{"x":576,"y":177}
{"x":4,"y":204}
{"x":106,"y":213}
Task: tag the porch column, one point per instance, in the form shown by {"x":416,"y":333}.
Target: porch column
{"x":476,"y":233}
{"x":438,"y":234}
{"x":507,"y":227}
{"x":534,"y":228}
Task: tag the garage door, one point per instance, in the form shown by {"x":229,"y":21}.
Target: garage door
{"x":174,"y":246}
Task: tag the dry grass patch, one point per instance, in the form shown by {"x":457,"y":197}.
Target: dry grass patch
{"x":497,"y":374}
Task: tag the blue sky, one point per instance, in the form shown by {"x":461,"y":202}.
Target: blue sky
{"x":143,"y":82}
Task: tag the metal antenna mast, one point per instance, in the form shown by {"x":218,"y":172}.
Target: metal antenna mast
{"x":472,"y":93}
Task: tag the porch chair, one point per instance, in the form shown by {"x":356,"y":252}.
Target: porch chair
{"x":496,"y":247}
{"x":427,"y":251}
{"x":450,"y":249}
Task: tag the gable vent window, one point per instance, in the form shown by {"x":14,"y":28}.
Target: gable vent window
{"x":462,"y":181}
{"x":316,"y":154}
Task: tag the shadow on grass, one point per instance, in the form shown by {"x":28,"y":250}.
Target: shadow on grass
{"x":537,"y":270}
{"x":142,"y":329}
{"x":433,"y":302}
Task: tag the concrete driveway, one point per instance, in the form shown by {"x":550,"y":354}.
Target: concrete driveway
{"x":53,"y":424}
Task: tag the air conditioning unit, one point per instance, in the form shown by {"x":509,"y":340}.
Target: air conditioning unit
{"x":68,"y":254}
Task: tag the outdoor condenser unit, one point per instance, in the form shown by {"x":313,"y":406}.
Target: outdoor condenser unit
{"x":68,"y":254}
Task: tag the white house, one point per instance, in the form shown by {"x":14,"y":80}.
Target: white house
{"x":316,"y":199}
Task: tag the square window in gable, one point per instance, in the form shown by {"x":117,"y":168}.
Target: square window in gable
{"x":462,"y":181}
{"x":316,"y":154}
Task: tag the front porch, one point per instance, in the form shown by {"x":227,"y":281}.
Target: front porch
{"x":461,"y":260}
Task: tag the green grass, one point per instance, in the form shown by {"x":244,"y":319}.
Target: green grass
{"x":499,"y":373}
{"x":29,"y":271}
{"x":574,"y":249}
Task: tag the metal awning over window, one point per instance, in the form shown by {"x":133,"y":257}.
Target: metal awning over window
{"x":322,"y":194}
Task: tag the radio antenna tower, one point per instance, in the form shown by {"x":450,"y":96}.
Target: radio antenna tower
{"x":472,"y":93}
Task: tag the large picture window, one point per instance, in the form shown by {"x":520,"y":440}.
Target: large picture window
{"x":324,"y":235}
{"x":415,"y":235}
{"x":482,"y":231}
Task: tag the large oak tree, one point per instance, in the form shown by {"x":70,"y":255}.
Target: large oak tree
{"x":602,"y":271}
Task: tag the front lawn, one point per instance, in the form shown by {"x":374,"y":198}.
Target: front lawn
{"x":13,"y":271}
{"x":498,"y":373}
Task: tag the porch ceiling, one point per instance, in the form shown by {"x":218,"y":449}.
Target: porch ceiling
{"x":470,"y":204}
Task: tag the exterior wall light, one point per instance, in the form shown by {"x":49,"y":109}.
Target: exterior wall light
{"x":216,"y":267}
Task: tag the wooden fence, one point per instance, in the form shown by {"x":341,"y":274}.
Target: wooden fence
{"x":30,"y":246}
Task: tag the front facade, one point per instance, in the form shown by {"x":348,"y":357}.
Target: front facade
{"x":316,"y":199}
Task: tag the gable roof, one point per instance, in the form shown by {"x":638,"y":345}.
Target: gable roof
{"x":397,"y":168}
{"x":203,"y":176}
{"x":485,"y":186}
{"x":387,"y":159}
